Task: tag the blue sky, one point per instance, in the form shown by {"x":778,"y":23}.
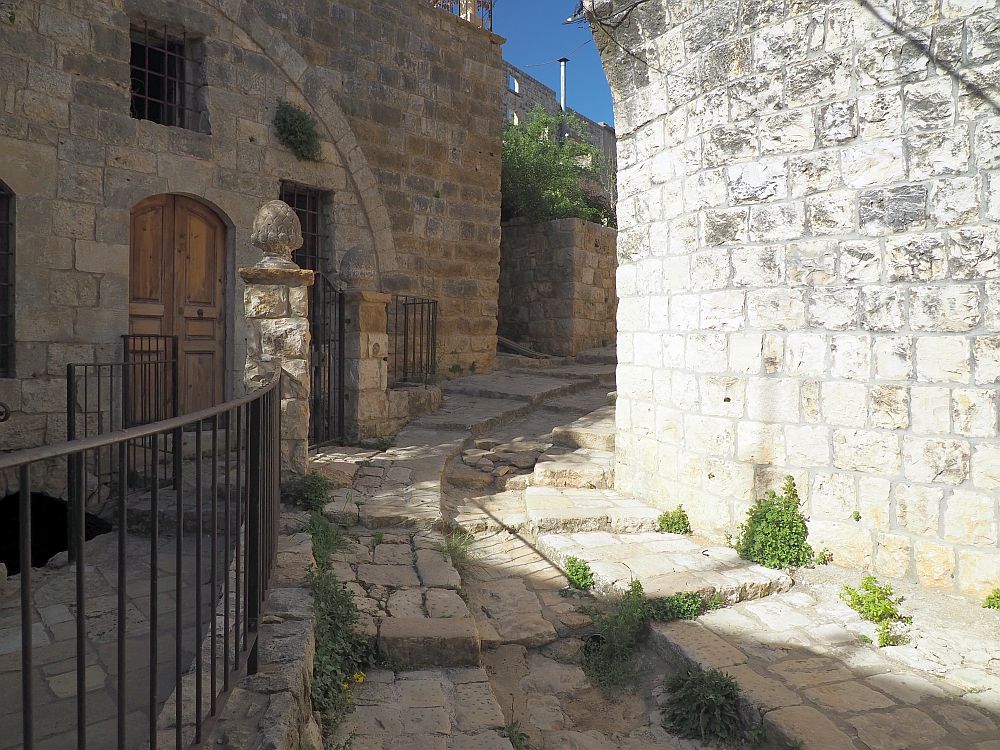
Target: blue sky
{"x":536,"y":34}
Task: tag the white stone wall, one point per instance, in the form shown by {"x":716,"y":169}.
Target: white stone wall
{"x":809,"y":276}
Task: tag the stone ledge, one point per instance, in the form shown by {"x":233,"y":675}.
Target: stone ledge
{"x":277,"y":276}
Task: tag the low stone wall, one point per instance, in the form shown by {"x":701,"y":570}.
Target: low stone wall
{"x":557,"y":285}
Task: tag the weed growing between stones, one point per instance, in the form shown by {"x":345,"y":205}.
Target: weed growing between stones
{"x":674,"y":521}
{"x":457,"y":547}
{"x":993,"y":600}
{"x":579,"y":573}
{"x":377,"y":538}
{"x":296,"y":131}
{"x":341,"y":652}
{"x":823,"y":557}
{"x":309,"y":491}
{"x":704,"y":704}
{"x":517,"y":736}
{"x":775,"y":531}
{"x":685,"y":605}
{"x":876,"y":604}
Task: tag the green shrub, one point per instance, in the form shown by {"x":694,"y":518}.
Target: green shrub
{"x":682,"y":606}
{"x":542,"y":174}
{"x":579,"y":574}
{"x":993,"y":600}
{"x":296,"y":131}
{"x":674,"y":521}
{"x":775,"y":531}
{"x":609,"y":655}
{"x":457,"y":547}
{"x":341,"y":652}
{"x":309,"y":491}
{"x":517,"y":736}
{"x":703,"y":705}
{"x":877,"y":604}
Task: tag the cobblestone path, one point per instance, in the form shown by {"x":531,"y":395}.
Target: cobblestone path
{"x":523,"y":461}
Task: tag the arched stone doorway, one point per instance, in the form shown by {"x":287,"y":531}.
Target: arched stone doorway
{"x":177,"y":274}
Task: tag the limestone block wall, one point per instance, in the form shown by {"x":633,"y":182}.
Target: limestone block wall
{"x":557,"y":285}
{"x":407,"y":104}
{"x":809,"y":271}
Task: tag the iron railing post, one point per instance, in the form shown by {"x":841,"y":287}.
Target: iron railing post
{"x":255,"y":461}
{"x":27,"y":606}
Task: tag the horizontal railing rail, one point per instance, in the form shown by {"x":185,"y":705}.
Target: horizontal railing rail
{"x":176,"y":586}
{"x":479,"y":12}
{"x":413,"y":323}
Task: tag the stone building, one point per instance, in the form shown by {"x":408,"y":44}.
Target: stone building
{"x":809,"y":200}
{"x":136,"y":144}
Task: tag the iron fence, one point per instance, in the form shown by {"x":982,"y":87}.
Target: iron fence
{"x":326,"y":320}
{"x":413,"y":339}
{"x":479,"y":12}
{"x":160,"y":616}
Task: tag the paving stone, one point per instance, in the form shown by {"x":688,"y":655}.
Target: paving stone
{"x":901,"y":729}
{"x":393,"y":554}
{"x":908,"y":688}
{"x":965,"y":720}
{"x":479,"y":741}
{"x":476,"y":708}
{"x":809,"y":672}
{"x":694,"y":643}
{"x":813,"y":729}
{"x":430,"y":720}
{"x":445,"y":603}
{"x":436,"y":570}
{"x":513,"y":611}
{"x":406,"y":603}
{"x":848,"y":697}
{"x":396,"y":576}
{"x":765,"y":692}
{"x":549,"y":677}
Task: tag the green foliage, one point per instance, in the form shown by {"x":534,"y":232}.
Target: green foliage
{"x":877,"y":604}
{"x":457,"y":547}
{"x":309,"y":491}
{"x":856,"y":515}
{"x":341,"y":652}
{"x":682,"y":606}
{"x":296,"y":131}
{"x":579,"y":573}
{"x":517,"y":736}
{"x":377,"y":537}
{"x":866,"y":640}
{"x":542,"y":174}
{"x":775,"y":531}
{"x":609,"y":655}
{"x":472,"y":367}
{"x":674,"y":521}
{"x":456,"y":368}
{"x":823,"y":557}
{"x":993,"y":600}
{"x":704,"y":705}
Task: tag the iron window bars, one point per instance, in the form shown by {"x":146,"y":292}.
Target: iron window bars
{"x":413,"y":339}
{"x":165,"y":78}
{"x":6,"y":282}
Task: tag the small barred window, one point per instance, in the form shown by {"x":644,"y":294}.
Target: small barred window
{"x":167,"y":79}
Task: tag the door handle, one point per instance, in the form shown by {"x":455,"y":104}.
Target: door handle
{"x":201,"y":313}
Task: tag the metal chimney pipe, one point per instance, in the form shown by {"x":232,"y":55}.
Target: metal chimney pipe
{"x":562,"y":82}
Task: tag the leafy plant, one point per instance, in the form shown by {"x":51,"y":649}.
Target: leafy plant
{"x":674,"y":521}
{"x":823,"y":557}
{"x":296,"y":131}
{"x":993,"y":600}
{"x":310,"y":491}
{"x":685,"y":605}
{"x":377,"y":537}
{"x":579,"y":573}
{"x":608,"y":655}
{"x":856,"y":515}
{"x":865,"y":639}
{"x":775,"y":531}
{"x":703,"y":705}
{"x":456,"y":369}
{"x":877,"y":604}
{"x":543,"y":174}
{"x":382,"y":444}
{"x":517,"y":736}
{"x":341,"y":652}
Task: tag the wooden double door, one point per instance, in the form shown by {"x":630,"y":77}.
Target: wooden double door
{"x":177,"y":288}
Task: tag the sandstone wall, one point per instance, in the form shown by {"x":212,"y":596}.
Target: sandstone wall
{"x":557,"y":285}
{"x":809,"y":277}
{"x":407,"y":103}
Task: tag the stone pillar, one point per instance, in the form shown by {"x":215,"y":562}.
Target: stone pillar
{"x":276,"y":304}
{"x":366,"y":369}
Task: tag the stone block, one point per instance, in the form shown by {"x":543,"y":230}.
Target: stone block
{"x":427,"y":641}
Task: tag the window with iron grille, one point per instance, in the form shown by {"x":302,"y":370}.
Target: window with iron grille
{"x":308,"y":203}
{"x":167,"y":78}
{"x":6,"y":282}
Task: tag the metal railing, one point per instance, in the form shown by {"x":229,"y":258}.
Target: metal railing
{"x":326,"y":321}
{"x":413,"y":339}
{"x":177,"y":586}
{"x":478,"y":12}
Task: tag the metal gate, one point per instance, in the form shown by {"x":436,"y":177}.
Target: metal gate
{"x":326,"y":321}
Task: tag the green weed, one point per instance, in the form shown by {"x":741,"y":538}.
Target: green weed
{"x":517,"y":736}
{"x":993,"y":600}
{"x":877,"y":604}
{"x":704,"y":705}
{"x":309,"y":491}
{"x":377,"y":538}
{"x":579,"y":573}
{"x":296,"y":130}
{"x":674,"y":521}
{"x":609,"y":654}
{"x":683,"y":606}
{"x":775,"y":531}
{"x":823,"y":557}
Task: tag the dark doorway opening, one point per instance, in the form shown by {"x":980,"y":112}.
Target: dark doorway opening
{"x":49,"y":529}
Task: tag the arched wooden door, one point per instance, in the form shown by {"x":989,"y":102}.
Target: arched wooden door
{"x":177,"y":288}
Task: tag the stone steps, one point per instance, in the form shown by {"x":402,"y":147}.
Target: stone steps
{"x":607,"y":355}
{"x":595,"y":431}
{"x":665,"y":564}
{"x":568,"y":510}
{"x":581,"y":468}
